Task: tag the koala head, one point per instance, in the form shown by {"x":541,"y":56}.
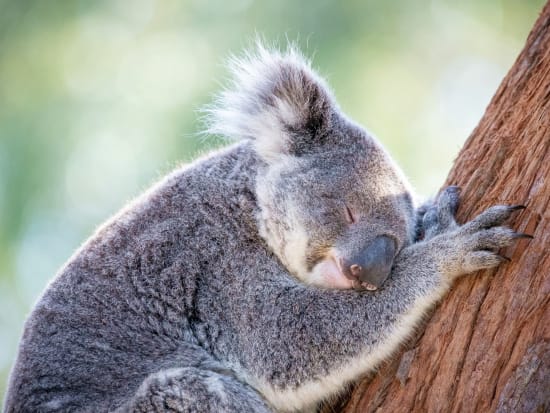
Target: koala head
{"x":335,"y":208}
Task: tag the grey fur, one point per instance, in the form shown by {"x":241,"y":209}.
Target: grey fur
{"x":197,"y":296}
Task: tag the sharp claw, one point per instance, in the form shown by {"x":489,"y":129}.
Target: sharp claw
{"x":522,"y":235}
{"x":503,"y":258}
{"x":517,"y":207}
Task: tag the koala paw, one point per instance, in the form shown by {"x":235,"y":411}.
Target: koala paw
{"x":439,"y":217}
{"x":473,"y":246}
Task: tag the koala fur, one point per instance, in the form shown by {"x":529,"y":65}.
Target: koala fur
{"x":227,"y":286}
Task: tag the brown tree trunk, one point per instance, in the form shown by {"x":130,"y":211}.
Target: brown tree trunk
{"x":487,"y":346}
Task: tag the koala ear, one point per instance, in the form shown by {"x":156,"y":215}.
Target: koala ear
{"x":276,"y":100}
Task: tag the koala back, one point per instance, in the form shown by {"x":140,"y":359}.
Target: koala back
{"x":143,"y":290}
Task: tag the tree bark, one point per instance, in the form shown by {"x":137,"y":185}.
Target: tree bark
{"x":487,"y":346}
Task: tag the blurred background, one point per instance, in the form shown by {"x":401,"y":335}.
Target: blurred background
{"x":99,"y":99}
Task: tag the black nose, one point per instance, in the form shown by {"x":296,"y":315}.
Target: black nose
{"x":372,"y":265}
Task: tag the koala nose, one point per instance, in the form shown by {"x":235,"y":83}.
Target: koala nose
{"x":372,"y":265}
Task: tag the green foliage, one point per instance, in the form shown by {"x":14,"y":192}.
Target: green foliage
{"x":98,"y":99}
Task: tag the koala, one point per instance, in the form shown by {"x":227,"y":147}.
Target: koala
{"x":263,"y":277}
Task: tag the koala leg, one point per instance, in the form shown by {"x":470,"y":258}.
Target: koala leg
{"x":191,"y":389}
{"x":438,"y":217}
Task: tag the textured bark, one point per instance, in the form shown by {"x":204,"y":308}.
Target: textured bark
{"x":487,"y":346}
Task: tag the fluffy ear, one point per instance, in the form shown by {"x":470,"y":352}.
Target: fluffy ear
{"x":275,"y":99}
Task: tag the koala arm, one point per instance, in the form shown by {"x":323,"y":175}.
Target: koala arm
{"x":319,"y":340}
{"x":315,"y":341}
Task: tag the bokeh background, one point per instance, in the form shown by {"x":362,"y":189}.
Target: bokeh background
{"x":98,"y":99}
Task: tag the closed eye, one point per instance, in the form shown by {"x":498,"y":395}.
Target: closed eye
{"x":350,"y":217}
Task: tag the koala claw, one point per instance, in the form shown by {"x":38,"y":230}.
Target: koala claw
{"x":493,"y":238}
{"x":480,"y":260}
{"x":491,"y":217}
{"x":523,"y":235}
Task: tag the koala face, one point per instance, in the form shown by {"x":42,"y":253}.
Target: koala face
{"x":334,"y":207}
{"x":338,"y":216}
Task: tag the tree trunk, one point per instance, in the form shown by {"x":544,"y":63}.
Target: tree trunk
{"x":487,"y":346}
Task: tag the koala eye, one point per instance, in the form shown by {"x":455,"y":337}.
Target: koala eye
{"x":350,"y":217}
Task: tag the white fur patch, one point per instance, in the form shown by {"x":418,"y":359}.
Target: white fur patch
{"x":55,"y":404}
{"x":297,"y":239}
{"x":291,"y":245}
{"x":215,"y":386}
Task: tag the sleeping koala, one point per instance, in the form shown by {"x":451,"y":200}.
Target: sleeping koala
{"x":263,"y":277}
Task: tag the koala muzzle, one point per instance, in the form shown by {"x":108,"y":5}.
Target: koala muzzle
{"x":372,"y":265}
